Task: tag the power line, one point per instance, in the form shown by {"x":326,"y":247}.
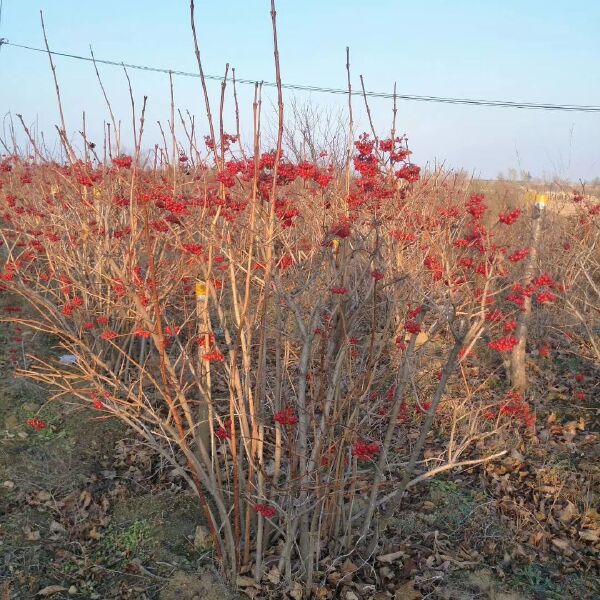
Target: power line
{"x":327,"y":90}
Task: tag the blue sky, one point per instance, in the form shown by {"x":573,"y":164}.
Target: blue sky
{"x":529,"y":50}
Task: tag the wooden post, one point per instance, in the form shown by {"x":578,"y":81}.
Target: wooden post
{"x":204,"y":413}
{"x":518,"y":371}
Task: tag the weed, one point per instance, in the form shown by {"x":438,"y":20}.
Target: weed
{"x":543,"y":583}
{"x":125,"y":542}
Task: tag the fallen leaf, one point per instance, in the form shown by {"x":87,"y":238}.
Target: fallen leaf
{"x":536,"y":538}
{"x":243,"y":581}
{"x":31,"y":535}
{"x":591,"y":514}
{"x":56,"y":528}
{"x":44,"y":496}
{"x":334,"y":577}
{"x":51,"y":589}
{"x":561,"y":544}
{"x":85,"y":499}
{"x":391,"y":557}
{"x":94,"y":534}
{"x":407,"y":591}
{"x":421,"y":339}
{"x":567,"y":513}
{"x":136,"y":566}
{"x":202,"y":538}
{"x":274,"y":576}
{"x":589,"y":535}
{"x":296,"y":591}
{"x":348,"y":568}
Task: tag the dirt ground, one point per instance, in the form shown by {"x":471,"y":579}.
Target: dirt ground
{"x":88,"y":512}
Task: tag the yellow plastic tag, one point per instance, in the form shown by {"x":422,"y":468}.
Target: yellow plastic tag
{"x":335,"y":245}
{"x":200,"y":291}
{"x":539,"y":199}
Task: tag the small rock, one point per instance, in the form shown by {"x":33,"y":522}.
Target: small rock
{"x":72,"y":590}
{"x":9,"y":485}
